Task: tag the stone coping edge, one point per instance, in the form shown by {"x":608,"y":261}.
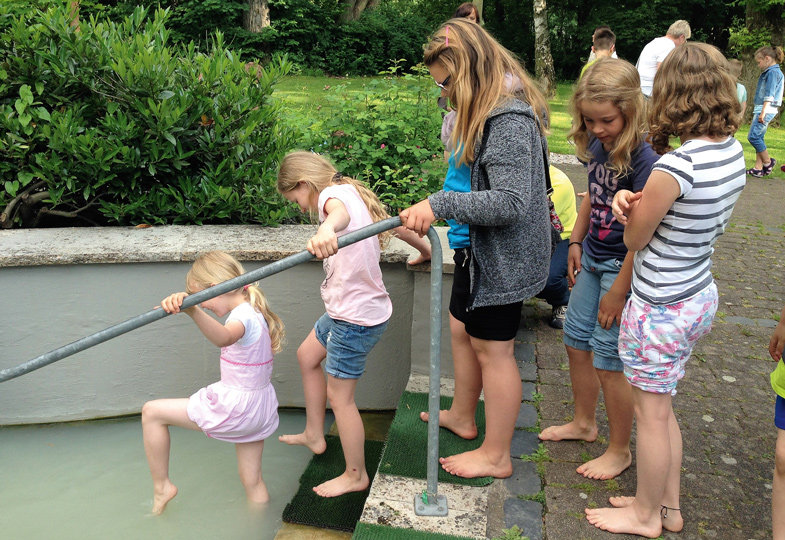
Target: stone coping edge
{"x":171,"y":243}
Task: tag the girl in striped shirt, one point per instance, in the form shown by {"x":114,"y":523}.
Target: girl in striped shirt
{"x":673,"y":225}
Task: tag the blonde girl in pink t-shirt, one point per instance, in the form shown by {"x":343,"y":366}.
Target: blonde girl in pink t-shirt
{"x":357,"y":306}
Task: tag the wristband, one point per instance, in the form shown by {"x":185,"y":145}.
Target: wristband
{"x":575,"y":243}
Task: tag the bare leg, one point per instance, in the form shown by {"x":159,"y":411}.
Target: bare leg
{"x":672,"y":520}
{"x":585,"y":392}
{"x":502,"y":384}
{"x":655,"y":462}
{"x":310,"y":355}
{"x":249,"y":466}
{"x":352,"y":434}
{"x":762,"y":158}
{"x":618,"y":404}
{"x":157,"y":416}
{"x":468,"y":384}
{"x":778,"y":489}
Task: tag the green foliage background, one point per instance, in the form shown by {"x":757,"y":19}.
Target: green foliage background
{"x":114,"y":122}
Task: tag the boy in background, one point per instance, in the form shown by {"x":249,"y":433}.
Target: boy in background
{"x":604,"y":46}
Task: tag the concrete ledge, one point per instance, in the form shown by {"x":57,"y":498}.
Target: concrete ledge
{"x":172,"y":243}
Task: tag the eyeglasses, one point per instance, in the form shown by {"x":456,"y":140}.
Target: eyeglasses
{"x":444,"y":83}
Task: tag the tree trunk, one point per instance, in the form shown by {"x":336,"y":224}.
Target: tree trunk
{"x":74,"y":13}
{"x":766,"y":15}
{"x":355,"y":8}
{"x":478,"y":4}
{"x":543,"y":61}
{"x":257,"y":17}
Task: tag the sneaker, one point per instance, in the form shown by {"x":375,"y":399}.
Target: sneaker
{"x":558,"y":315}
{"x":766,"y":169}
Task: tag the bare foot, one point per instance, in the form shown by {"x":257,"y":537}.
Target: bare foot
{"x":345,"y":483}
{"x":162,"y":497}
{"x":258,"y":495}
{"x":419,"y":260}
{"x":476,"y":463}
{"x":607,"y":466}
{"x":464,"y":429}
{"x":623,"y":520}
{"x":569,"y":432}
{"x":317,"y":445}
{"x":671,"y":521}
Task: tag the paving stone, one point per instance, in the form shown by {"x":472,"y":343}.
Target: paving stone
{"x":527,"y":391}
{"x":527,"y":515}
{"x":528,"y":371}
{"x":524,"y":480}
{"x":527,"y":416}
{"x":524,"y":352}
{"x":524,"y":443}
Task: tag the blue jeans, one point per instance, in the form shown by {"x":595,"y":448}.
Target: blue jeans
{"x":758,"y":130}
{"x":557,"y":290}
{"x":347,"y":345}
{"x":581,"y":329}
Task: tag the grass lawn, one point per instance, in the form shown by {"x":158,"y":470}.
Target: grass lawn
{"x":305,"y":99}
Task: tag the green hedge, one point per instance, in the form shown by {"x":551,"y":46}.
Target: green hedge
{"x":387,"y":134}
{"x":113,"y":123}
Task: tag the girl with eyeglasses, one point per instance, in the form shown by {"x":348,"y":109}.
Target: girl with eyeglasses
{"x":498,"y":134}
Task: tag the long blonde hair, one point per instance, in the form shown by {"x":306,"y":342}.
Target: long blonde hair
{"x":694,"y":94}
{"x":215,"y":267}
{"x":317,"y":172}
{"x":480,"y":71}
{"x":617,"y":82}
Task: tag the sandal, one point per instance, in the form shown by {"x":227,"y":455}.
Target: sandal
{"x":757,"y":173}
{"x":766,"y":169}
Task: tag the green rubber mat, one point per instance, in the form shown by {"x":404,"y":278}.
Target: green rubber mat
{"x":406,"y":451}
{"x":343,"y":512}
{"x":367,"y":531}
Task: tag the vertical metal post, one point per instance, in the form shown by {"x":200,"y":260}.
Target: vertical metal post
{"x":429,"y":502}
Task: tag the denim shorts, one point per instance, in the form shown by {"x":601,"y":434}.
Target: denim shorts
{"x":656,"y":340}
{"x":347,"y":345}
{"x":581,"y":329}
{"x":758,"y":130}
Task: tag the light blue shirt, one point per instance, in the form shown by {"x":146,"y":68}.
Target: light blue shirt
{"x":458,"y":178}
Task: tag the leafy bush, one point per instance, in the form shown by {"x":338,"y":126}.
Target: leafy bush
{"x":112,"y":122}
{"x":387,"y":135}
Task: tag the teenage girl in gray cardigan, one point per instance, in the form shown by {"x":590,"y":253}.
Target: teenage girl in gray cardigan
{"x":497,"y":133}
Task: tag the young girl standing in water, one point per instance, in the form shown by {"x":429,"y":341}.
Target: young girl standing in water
{"x":608,"y":130}
{"x":242,"y":407}
{"x":357,"y":306}
{"x":506,"y":253}
{"x":673,"y":225}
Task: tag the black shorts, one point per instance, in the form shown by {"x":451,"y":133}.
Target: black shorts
{"x":492,"y":323}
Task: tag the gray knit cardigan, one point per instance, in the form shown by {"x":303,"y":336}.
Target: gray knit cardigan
{"x":506,"y":209}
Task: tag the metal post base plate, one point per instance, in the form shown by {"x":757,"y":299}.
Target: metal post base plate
{"x":422,"y":508}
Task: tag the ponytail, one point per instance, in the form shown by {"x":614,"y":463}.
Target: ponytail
{"x":274,"y":323}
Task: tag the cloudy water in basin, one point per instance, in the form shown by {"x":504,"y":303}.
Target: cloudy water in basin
{"x":89,"y":480}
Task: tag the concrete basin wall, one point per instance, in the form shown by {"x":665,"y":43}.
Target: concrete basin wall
{"x":59,"y":285}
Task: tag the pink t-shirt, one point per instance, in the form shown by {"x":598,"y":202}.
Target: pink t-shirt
{"x":353,"y":290}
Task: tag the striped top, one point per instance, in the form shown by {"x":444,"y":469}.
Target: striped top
{"x":676,"y":264}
